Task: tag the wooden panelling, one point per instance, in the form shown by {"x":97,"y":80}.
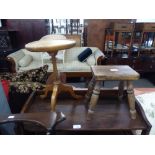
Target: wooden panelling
{"x":28,"y":29}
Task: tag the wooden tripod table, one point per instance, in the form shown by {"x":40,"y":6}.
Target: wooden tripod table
{"x":120,"y":73}
{"x":52,"y":47}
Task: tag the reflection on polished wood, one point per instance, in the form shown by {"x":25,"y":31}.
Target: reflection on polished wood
{"x":52,"y":47}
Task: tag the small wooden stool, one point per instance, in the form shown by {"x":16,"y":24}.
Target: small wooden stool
{"x":112,"y":73}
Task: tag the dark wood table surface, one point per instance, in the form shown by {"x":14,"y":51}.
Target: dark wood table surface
{"x":111,"y":117}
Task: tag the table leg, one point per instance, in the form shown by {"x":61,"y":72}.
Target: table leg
{"x":55,"y":70}
{"x":90,"y":90}
{"x":131,"y":99}
{"x":69,"y":89}
{"x":120,"y":90}
{"x":57,"y":88}
{"x":53,"y":78}
{"x":94,"y":97}
{"x":50,"y":79}
{"x":54,"y":96}
{"x":47,"y":89}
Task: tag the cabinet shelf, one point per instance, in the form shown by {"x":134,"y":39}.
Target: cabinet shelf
{"x":119,"y":37}
{"x":137,"y":46}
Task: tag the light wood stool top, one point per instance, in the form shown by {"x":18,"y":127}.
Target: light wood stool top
{"x":114,"y":72}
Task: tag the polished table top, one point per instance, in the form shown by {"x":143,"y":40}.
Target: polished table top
{"x":114,"y":72}
{"x":49,"y":45}
{"x":109,"y":115}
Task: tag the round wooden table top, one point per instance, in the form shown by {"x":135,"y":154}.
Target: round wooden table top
{"x":49,"y":45}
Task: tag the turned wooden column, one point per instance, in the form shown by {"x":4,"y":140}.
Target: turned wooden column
{"x":131,"y":99}
{"x":94,"y":97}
{"x":52,"y":47}
{"x":120,"y":90}
{"x":55,"y":70}
{"x":90,"y":90}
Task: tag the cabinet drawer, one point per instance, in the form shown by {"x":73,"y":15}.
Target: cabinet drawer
{"x":149,"y":27}
{"x":123,"y":27}
{"x":146,"y":27}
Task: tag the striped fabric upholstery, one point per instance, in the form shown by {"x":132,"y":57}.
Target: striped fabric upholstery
{"x":5,"y":109}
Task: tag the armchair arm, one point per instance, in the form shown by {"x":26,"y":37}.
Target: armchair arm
{"x":99,"y":56}
{"x":14,"y":58}
{"x":12,"y":64}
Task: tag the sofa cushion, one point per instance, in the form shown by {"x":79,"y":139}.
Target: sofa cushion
{"x":91,"y":60}
{"x":17,"y":55}
{"x":33,"y":65}
{"x":37,"y":56}
{"x":84,"y":54}
{"x":60,"y":67}
{"x":25,"y":87}
{"x":76,"y":66}
{"x":25,"y":61}
{"x":34,"y":75}
{"x":72,"y":53}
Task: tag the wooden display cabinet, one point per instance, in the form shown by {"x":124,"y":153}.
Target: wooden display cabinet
{"x":119,"y":38}
{"x":146,"y":43}
{"x":139,"y":42}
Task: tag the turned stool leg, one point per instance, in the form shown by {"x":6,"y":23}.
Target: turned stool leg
{"x":120,"y":90}
{"x":131,"y":99}
{"x":90,"y":90}
{"x":94,"y":97}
